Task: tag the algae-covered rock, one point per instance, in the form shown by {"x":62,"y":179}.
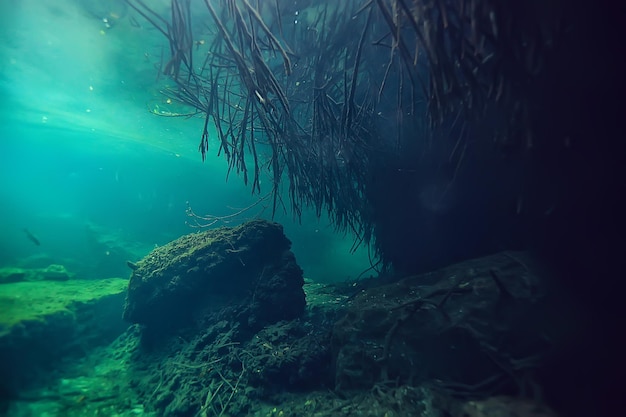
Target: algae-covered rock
{"x":8,"y":275}
{"x":23,"y":302}
{"x":55,"y":273}
{"x":52,"y":272}
{"x":250,"y":266}
{"x":45,"y":322}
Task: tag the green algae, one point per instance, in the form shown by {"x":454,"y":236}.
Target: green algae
{"x":27,"y":301}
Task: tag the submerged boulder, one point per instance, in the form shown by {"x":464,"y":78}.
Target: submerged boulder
{"x":475,"y":326}
{"x":248,"y":269}
{"x":52,"y":272}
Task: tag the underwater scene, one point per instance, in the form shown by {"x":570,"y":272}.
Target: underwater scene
{"x":281,"y":208}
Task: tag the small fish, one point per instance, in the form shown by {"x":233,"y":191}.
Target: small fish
{"x":32,"y":237}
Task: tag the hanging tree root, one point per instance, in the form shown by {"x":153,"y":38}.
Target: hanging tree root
{"x":202,"y":221}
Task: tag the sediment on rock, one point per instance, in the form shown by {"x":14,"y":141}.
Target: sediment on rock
{"x":248,"y":268}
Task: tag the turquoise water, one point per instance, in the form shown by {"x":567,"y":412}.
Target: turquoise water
{"x":486,"y":132}
{"x":91,"y":172}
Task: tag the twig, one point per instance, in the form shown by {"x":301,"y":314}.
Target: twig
{"x":208,"y":220}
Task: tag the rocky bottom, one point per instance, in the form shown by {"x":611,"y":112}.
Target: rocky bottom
{"x":469,"y":340}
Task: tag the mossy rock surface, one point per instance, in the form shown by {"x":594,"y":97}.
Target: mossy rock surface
{"x":45,"y":323}
{"x":52,"y":272}
{"x":250,"y":266}
{"x":27,"y":301}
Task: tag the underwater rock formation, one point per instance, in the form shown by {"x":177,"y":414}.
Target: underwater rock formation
{"x":249,"y":268}
{"x":221,"y":367}
{"x":471,"y":339}
{"x":47,"y":322}
{"x":471,"y":328}
{"x":52,"y":272}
